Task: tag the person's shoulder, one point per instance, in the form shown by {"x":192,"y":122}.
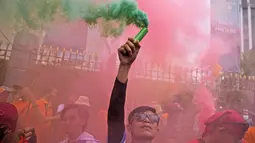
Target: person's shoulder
{"x":20,"y":105}
{"x":194,"y":141}
{"x":92,"y":142}
{"x":64,"y":141}
{"x":85,"y":136}
{"x":251,"y":129}
{"x":41,"y":101}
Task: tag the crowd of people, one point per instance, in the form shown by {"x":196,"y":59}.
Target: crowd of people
{"x":26,"y":119}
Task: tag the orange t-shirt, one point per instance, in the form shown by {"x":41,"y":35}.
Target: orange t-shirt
{"x":250,"y":135}
{"x":27,"y":116}
{"x":25,"y":109}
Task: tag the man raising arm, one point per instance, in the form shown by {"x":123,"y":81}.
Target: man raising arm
{"x":116,"y":128}
{"x":142,"y":121}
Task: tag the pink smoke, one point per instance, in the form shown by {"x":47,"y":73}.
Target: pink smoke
{"x":204,"y":102}
{"x":167,"y":17}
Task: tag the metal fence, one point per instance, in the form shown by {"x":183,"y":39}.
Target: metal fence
{"x":5,"y":53}
{"x":79,"y":59}
{"x":5,"y":50}
{"x":62,"y":57}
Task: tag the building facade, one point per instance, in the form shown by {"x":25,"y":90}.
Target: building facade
{"x":246,"y":28}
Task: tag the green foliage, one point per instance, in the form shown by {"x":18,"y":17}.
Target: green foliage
{"x":32,"y":14}
{"x":248,"y":63}
{"x":236,"y":100}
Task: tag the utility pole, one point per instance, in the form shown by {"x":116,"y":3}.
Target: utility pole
{"x":241,"y":26}
{"x":249,"y":23}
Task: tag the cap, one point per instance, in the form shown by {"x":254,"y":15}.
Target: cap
{"x":227,"y":116}
{"x":8,"y":115}
{"x":83,"y":100}
{"x":230,"y":120}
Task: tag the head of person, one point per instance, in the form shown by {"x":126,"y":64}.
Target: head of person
{"x":49,"y":93}
{"x":8,"y":119}
{"x":82,"y":100}
{"x":143,"y":123}
{"x":225,"y":127}
{"x":3,"y":95}
{"x":74,"y":118}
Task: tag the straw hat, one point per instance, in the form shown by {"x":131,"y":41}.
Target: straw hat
{"x":157,"y":106}
{"x":83,"y":100}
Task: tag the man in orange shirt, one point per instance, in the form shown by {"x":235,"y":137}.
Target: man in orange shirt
{"x":250,"y":135}
{"x":35,"y":113}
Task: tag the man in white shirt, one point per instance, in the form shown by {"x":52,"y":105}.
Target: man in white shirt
{"x":75,"y":117}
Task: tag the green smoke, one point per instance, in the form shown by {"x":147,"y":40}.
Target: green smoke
{"x":122,"y":12}
{"x":112,"y":17}
{"x":32,"y":14}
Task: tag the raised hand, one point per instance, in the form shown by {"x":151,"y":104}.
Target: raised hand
{"x":129,"y":51}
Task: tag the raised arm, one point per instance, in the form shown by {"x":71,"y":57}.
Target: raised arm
{"x":116,"y":127}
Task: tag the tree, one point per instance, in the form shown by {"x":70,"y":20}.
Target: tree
{"x":248,"y":63}
{"x":19,"y":15}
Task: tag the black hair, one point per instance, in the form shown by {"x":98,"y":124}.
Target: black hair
{"x":82,"y":110}
{"x":140,"y":109}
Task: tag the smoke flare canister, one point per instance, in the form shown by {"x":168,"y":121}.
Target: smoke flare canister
{"x":141,"y":34}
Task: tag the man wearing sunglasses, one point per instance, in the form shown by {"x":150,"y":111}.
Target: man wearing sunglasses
{"x":224,"y":127}
{"x":142,"y":121}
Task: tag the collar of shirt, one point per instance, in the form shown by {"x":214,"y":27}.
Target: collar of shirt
{"x":83,"y":137}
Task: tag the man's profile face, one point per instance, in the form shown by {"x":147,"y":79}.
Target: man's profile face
{"x":71,"y":120}
{"x":144,"y":125}
{"x":228,"y":136}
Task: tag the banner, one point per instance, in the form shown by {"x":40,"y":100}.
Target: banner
{"x":225,"y":25}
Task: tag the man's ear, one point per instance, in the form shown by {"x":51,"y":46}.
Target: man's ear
{"x":128,"y":127}
{"x":157,"y":129}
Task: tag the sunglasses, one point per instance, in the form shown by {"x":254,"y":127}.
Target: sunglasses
{"x":140,"y":117}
